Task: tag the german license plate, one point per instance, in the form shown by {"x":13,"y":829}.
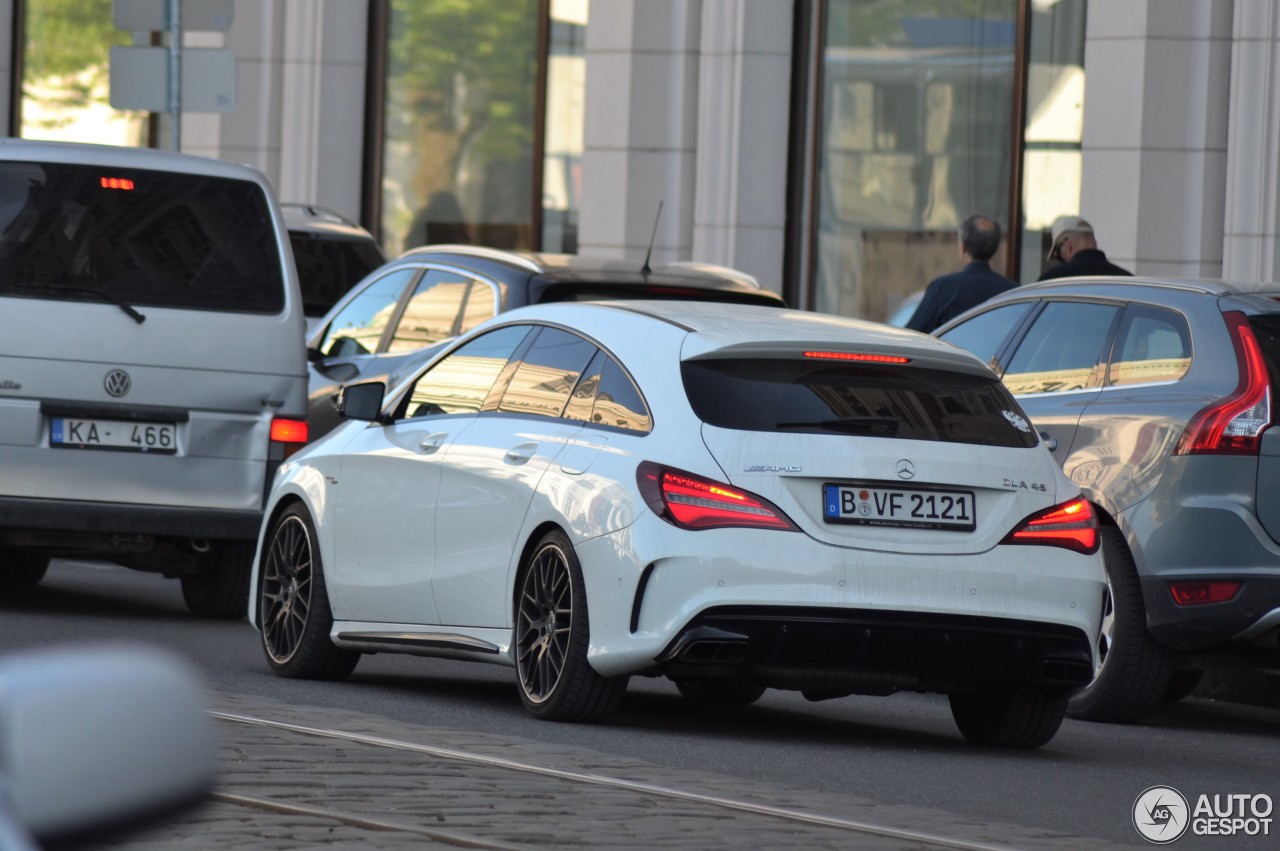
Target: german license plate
{"x":883,"y":505}
{"x":77,"y":433}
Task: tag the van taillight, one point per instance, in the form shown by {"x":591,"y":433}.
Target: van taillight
{"x":692,"y":502}
{"x":1071,"y":525}
{"x":1234,"y":425}
{"x":291,"y":434}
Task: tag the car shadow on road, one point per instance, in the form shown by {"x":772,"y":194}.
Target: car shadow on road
{"x":52,"y":600}
{"x":1208,"y":716}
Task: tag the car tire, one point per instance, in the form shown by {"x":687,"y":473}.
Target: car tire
{"x":294,"y":617}
{"x":221,"y":589}
{"x":22,"y":567}
{"x":1181,"y":685}
{"x":1010,"y":716}
{"x":556,"y":681}
{"x":1133,"y":670}
{"x":721,"y":692}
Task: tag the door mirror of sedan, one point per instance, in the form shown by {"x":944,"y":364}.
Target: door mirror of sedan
{"x":101,"y":737}
{"x":363,"y":401}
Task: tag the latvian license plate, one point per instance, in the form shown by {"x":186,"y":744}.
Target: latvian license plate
{"x":882,"y":505}
{"x":77,"y":433}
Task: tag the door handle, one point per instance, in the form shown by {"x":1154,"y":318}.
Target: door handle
{"x":520,"y":454}
{"x":432,"y":442}
{"x":1050,"y":442}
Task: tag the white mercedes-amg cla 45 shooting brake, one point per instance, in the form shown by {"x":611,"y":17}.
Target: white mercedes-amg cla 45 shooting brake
{"x":734,"y":497}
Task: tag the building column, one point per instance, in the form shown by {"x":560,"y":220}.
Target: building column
{"x":1155,"y":132}
{"x":743,"y":116}
{"x":1252,"y":233}
{"x":641,"y":128}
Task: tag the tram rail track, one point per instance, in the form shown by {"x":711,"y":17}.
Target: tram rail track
{"x":718,"y":807}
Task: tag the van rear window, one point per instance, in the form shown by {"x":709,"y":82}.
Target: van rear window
{"x":910,"y":403}
{"x":145,"y":238}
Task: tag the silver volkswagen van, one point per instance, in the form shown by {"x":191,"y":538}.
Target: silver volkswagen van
{"x":152,"y":364}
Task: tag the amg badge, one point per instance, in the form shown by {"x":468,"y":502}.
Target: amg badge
{"x":772,"y":468}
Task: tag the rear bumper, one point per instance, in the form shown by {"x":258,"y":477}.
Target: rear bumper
{"x":61,"y":515}
{"x":1250,"y":620}
{"x":827,"y":652}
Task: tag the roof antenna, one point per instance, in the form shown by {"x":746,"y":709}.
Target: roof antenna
{"x":644,"y":270}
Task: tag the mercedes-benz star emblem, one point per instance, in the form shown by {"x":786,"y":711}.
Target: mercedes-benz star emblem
{"x":905,"y":469}
{"x":117,"y":382}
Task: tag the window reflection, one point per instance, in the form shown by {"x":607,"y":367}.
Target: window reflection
{"x":431,"y":312}
{"x":547,"y":374}
{"x":917,"y":118}
{"x":1154,"y":346}
{"x":459,"y":119}
{"x":1062,"y":350}
{"x":358,"y":328}
{"x":461,"y":382}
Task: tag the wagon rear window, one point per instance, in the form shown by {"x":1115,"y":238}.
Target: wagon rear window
{"x":146,"y":238}
{"x":777,"y":395}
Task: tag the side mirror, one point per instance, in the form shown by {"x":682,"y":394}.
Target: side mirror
{"x":100,"y":737}
{"x":362,"y":401}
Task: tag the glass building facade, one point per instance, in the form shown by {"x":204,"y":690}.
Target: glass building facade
{"x":920,"y":113}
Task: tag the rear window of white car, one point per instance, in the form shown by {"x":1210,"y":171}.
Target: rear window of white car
{"x":141,"y":237}
{"x":818,"y":397}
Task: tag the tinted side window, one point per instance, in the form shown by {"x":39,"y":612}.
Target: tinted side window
{"x":461,"y":382}
{"x":785,"y":395}
{"x":358,"y":327}
{"x":1267,"y":330}
{"x":985,"y":334}
{"x":328,"y":267}
{"x":606,"y":396}
{"x":479,"y":307}
{"x":1062,"y":348}
{"x":431,"y":313}
{"x":547,"y":374}
{"x":1153,"y":345}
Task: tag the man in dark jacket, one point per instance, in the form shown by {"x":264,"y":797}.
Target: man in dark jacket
{"x":1074,"y":245}
{"x":951,"y":295}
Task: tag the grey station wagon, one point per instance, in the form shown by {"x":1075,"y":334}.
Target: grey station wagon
{"x":1156,"y":396}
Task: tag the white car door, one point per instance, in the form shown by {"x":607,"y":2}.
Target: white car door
{"x":489,"y":477}
{"x":389,"y":483}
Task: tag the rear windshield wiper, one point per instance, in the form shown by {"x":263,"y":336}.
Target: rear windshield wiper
{"x":853,"y":425}
{"x":99,"y":294}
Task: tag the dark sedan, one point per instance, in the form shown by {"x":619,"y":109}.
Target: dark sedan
{"x":400,"y":314}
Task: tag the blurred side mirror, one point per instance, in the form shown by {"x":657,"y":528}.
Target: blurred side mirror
{"x":98,"y":737}
{"x":363,"y":401}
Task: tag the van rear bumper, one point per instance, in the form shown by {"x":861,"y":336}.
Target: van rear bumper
{"x":31,"y":515}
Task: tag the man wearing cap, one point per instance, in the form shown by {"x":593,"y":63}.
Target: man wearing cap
{"x":1074,"y":245}
{"x":951,"y":295}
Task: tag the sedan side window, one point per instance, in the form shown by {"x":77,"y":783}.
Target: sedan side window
{"x":1062,"y":349}
{"x":986,"y":333}
{"x":1154,"y":345}
{"x":480,"y":305}
{"x":431,"y":313}
{"x":547,"y":374}
{"x":358,"y":328}
{"x":461,"y":382}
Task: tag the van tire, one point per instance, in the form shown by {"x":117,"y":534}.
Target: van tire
{"x":222,"y":590}
{"x":22,"y":567}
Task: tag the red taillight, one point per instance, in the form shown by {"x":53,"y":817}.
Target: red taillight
{"x":1234,"y":425}
{"x":1071,"y":525}
{"x":692,"y":502}
{"x":1196,"y":593}
{"x":116,"y":183}
{"x":862,"y":357}
{"x":289,"y":431}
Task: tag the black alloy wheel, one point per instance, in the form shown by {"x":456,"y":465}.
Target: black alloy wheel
{"x":556,"y":681}
{"x":293,"y":612}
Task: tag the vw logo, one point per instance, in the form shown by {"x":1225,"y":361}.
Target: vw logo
{"x":117,"y":382}
{"x":905,"y":469}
